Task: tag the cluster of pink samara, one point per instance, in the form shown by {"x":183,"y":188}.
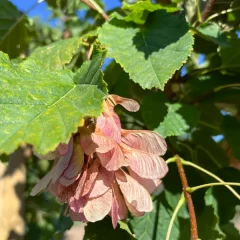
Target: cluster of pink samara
{"x":106,"y":170}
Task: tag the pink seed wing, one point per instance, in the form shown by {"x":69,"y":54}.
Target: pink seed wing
{"x":144,"y":140}
{"x":103,"y":142}
{"x":97,"y":208}
{"x":119,"y":209}
{"x":133,"y":209}
{"x":91,"y":177}
{"x":101,"y":184}
{"x":129,"y":104}
{"x":133,"y":192}
{"x":43,"y":183}
{"x":149,"y":184}
{"x":75,"y":166}
{"x":109,"y":125}
{"x":113,"y":159}
{"x":63,"y":162}
{"x":147,"y":165}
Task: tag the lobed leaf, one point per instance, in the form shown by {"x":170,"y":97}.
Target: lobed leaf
{"x":178,"y":121}
{"x":150,"y":53}
{"x":44,"y":108}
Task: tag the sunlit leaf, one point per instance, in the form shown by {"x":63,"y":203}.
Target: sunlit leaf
{"x":54,"y":56}
{"x":44,"y":108}
{"x":150,"y":53}
{"x":179,"y":120}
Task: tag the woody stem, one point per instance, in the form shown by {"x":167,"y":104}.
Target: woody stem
{"x":193,"y":221}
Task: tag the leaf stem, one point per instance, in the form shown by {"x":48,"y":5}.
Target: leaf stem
{"x":171,"y":160}
{"x":193,"y":189}
{"x":187,"y":163}
{"x":92,"y":4}
{"x":179,"y":205}
{"x":193,"y":221}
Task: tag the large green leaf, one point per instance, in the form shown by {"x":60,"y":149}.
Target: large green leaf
{"x":56,"y":55}
{"x":14,"y":34}
{"x":179,"y":120}
{"x":44,"y":108}
{"x":150,"y":53}
{"x":104,"y":230}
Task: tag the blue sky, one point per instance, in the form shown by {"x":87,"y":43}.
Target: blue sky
{"x":42,"y":11}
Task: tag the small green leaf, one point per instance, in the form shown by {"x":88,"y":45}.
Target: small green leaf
{"x":124,"y":226}
{"x":208,"y":222}
{"x":104,"y":230}
{"x":154,"y":225}
{"x":150,"y":53}
{"x":212,"y":32}
{"x":231,"y":128}
{"x":89,"y":72}
{"x":139,"y":11}
{"x":179,"y":120}
{"x":54,"y":56}
{"x":44,"y":108}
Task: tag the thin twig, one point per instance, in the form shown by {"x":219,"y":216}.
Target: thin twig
{"x":193,"y":221}
{"x":92,"y":4}
{"x":179,"y":205}
{"x":212,"y":175}
{"x":193,"y":189}
{"x":207,"y":10}
{"x":222,"y":13}
{"x":20,"y":19}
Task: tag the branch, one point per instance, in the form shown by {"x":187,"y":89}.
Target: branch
{"x":193,"y":221}
{"x":206,"y":12}
{"x":92,"y":4}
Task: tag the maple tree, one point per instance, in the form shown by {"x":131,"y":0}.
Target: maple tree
{"x":179,"y":63}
